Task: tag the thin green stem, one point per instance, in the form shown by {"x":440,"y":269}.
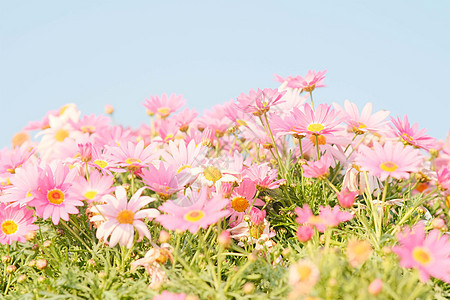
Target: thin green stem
{"x":312,"y":101}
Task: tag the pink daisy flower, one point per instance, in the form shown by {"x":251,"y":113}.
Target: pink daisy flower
{"x":10,"y":160}
{"x":411,"y":135}
{"x":202,"y":213}
{"x":91,"y":123}
{"x":263,"y":176}
{"x":163,"y":106}
{"x":23,"y":183}
{"x":133,"y":156}
{"x":122,"y":217}
{"x":429,"y":254}
{"x":55,"y":197}
{"x":184,"y":155}
{"x":15,"y":224}
{"x":164,"y":181}
{"x":242,"y":198}
{"x":318,"y":169}
{"x":328,"y":217}
{"x":184,"y":118}
{"x":95,"y":188}
{"x":366,"y":121}
{"x":443,"y":178}
{"x":394,"y":160}
{"x":324,"y":120}
{"x":346,"y":198}
{"x":259,"y":102}
{"x":311,"y":81}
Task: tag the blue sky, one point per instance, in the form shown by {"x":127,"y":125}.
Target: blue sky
{"x":394,"y":54}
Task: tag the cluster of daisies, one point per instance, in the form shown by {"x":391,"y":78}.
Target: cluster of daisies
{"x":185,"y":171}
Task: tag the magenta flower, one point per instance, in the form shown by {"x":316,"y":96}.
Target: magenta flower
{"x":55,"y":197}
{"x":411,"y":135}
{"x":122,"y":217}
{"x":15,"y":224}
{"x":328,"y":217}
{"x":429,"y":254}
{"x":305,"y":233}
{"x":318,"y":169}
{"x":202,"y":213}
{"x":346,"y":198}
{"x":394,"y":160}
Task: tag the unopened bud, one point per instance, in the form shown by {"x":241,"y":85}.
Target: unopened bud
{"x":91,"y":262}
{"x":21,"y":278}
{"x":375,"y":287}
{"x":41,"y":264}
{"x":248,"y":288}
{"x":224,"y":239}
{"x":252,"y":257}
{"x":11,"y":269}
{"x":286,"y":252}
{"x":6,"y":259}
{"x":109,"y":109}
{"x":35,"y":247}
{"x":438,"y":223}
{"x":41,"y":279}
{"x":164,"y":236}
{"x":60,"y":232}
{"x":32,"y":263}
{"x":102,"y":274}
{"x":31,"y":235}
{"x":47,"y":244}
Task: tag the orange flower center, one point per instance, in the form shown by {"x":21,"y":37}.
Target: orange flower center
{"x":316,"y":127}
{"x":388,"y":166}
{"x":239,"y":204}
{"x":422,"y":255}
{"x":9,"y":227}
{"x":320,"y":138}
{"x":55,"y":196}
{"x":194,"y":215}
{"x":125,"y":217}
{"x":61,"y":135}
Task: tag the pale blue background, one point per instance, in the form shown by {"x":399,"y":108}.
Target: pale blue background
{"x":392,"y":53}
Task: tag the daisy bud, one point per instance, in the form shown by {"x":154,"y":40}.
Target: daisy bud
{"x":304,"y":233}
{"x":47,"y":244}
{"x":286,"y":252}
{"x":60,"y":232}
{"x":224,"y":239}
{"x":35,"y":247}
{"x":11,"y":269}
{"x":91,"y":262}
{"x":41,"y":279}
{"x":109,"y":109}
{"x":102,"y":274}
{"x":252,"y":257}
{"x":164,"y":236}
{"x":247,"y":218}
{"x":375,"y":287}
{"x":21,"y":278}
{"x":332,"y":282}
{"x":6,"y":259}
{"x":248,"y":288}
{"x":41,"y":264}
{"x":438,"y":223}
{"x":32,"y":263}
{"x":346,"y":198}
{"x":31,"y":235}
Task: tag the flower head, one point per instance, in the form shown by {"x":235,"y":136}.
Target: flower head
{"x":411,"y":135}
{"x":308,"y":83}
{"x":429,"y":254}
{"x":163,"y":106}
{"x":15,"y":224}
{"x":121,"y":217}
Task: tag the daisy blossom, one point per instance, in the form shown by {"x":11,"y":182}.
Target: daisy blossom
{"x":324,"y":120}
{"x":55,"y":197}
{"x":202,"y":213}
{"x":259,"y":102}
{"x":308,"y":83}
{"x":122,"y":217}
{"x":15,"y":224}
{"x":411,"y":135}
{"x":318,"y":169}
{"x":95,"y":188}
{"x":163,"y":106}
{"x":429,"y":254}
{"x":394,"y":160}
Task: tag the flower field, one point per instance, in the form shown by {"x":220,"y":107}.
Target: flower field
{"x":268,"y":196}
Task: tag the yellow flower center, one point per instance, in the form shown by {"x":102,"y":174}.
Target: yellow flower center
{"x":421,"y":255}
{"x":163,"y":111}
{"x":212,"y":174}
{"x":90,"y":195}
{"x":63,"y":109}
{"x":316,"y":127}
{"x":61,"y":135}
{"x":131,"y":160}
{"x":315,"y":220}
{"x":125,"y":217}
{"x":101,"y":163}
{"x":304,"y":272}
{"x":29,"y":194}
{"x":194,"y":215}
{"x":407,"y":138}
{"x":88,"y":129}
{"x":388,"y":166}
{"x":9,"y":227}
{"x":320,"y":138}
{"x":55,"y":196}
{"x":239,"y":204}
